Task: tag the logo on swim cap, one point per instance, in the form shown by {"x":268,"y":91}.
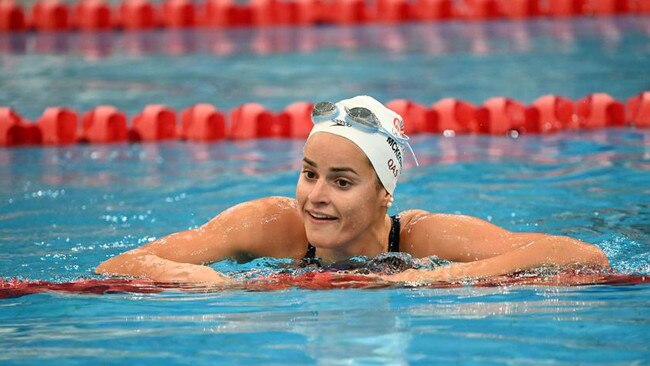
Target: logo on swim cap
{"x":340,"y":122}
{"x":398,"y":127}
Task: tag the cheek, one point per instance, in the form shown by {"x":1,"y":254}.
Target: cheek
{"x":358,"y":205}
{"x":300,"y":192}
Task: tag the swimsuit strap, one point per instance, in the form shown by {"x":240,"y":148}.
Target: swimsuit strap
{"x":393,"y":243}
{"x":310,"y":257}
{"x":393,"y":236}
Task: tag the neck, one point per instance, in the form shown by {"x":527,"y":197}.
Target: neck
{"x":370,"y":243}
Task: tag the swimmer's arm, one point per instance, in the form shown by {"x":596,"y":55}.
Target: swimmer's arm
{"x":486,"y":250}
{"x":545,"y":250}
{"x":143,"y":264}
{"x":178,"y":257}
{"x":252,"y":229}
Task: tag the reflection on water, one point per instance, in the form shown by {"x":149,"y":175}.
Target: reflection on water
{"x":397,"y":327}
{"x":277,"y":66}
{"x":436,"y":38}
{"x":66,"y":209}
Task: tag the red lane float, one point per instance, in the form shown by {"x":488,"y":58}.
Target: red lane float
{"x":638,"y":108}
{"x":481,"y":9}
{"x":457,"y":116}
{"x":13,"y":288}
{"x":306,"y":11}
{"x":137,"y":14}
{"x":156,"y":122}
{"x":245,"y":119}
{"x":32,"y":134}
{"x":520,"y":9}
{"x":11,"y":133}
{"x":281,"y":12}
{"x":12,"y":16}
{"x":58,"y":126}
{"x":93,"y":15}
{"x":434,"y":10}
{"x":504,"y":115}
{"x":226,"y":13}
{"x":419,"y":119}
{"x":252,"y":120}
{"x":299,"y":115}
{"x":15,"y":130}
{"x":178,"y":14}
{"x":202,"y":122}
{"x":600,"y":110}
{"x":554,"y":113}
{"x":640,"y":6}
{"x":264,"y":12}
{"x":564,"y":8}
{"x":50,"y":15}
{"x":104,"y":124}
{"x":345,"y":12}
{"x":16,"y":288}
{"x":394,"y":11}
{"x":607,"y":7}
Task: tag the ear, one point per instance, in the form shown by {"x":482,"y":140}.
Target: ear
{"x":388,"y":200}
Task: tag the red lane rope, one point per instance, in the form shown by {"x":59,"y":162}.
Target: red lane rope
{"x":13,"y":288}
{"x":94,"y":15}
{"x":205,"y":122}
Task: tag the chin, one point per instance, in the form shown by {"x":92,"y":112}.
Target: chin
{"x":322,"y":240}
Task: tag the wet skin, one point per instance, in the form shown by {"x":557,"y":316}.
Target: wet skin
{"x":340,"y":208}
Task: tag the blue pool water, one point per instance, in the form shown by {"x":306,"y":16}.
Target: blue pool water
{"x":65,"y":209}
{"x":277,"y":66}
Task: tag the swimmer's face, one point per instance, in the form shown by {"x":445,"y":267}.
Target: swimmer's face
{"x":338,"y":192}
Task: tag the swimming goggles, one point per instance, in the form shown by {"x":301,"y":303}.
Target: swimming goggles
{"x":358,"y":117}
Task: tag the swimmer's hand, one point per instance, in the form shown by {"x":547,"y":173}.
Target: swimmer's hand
{"x":141,"y":264}
{"x":195,"y":274}
{"x":421,"y":276}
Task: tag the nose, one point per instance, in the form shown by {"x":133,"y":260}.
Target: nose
{"x":319,"y":193}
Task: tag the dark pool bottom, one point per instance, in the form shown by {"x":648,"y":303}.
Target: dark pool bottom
{"x":315,"y":280}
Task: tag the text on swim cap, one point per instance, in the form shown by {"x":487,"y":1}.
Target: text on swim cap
{"x":392,"y":167}
{"x":395,"y":146}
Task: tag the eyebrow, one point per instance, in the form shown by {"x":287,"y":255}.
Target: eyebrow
{"x":334,"y":169}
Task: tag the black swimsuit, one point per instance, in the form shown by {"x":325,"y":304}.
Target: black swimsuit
{"x":393,"y":243}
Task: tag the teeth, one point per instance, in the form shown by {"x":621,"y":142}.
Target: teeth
{"x":318,"y":216}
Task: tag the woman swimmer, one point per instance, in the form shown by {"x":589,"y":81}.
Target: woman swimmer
{"x":352,"y":160}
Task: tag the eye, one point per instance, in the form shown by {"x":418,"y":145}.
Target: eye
{"x":309,"y":174}
{"x":342,"y":183}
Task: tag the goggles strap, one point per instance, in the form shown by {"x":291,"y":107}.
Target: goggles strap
{"x":412,"y":153}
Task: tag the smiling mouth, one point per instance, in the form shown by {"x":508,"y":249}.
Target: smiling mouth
{"x":321,"y":217}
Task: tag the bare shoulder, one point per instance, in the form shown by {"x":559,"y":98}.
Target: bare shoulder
{"x":412,"y":219}
{"x":410,"y":227}
{"x":263,"y":207}
{"x":424,"y":233}
{"x":269,"y":226}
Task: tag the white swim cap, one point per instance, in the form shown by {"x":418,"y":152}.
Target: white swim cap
{"x":375,"y":129}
